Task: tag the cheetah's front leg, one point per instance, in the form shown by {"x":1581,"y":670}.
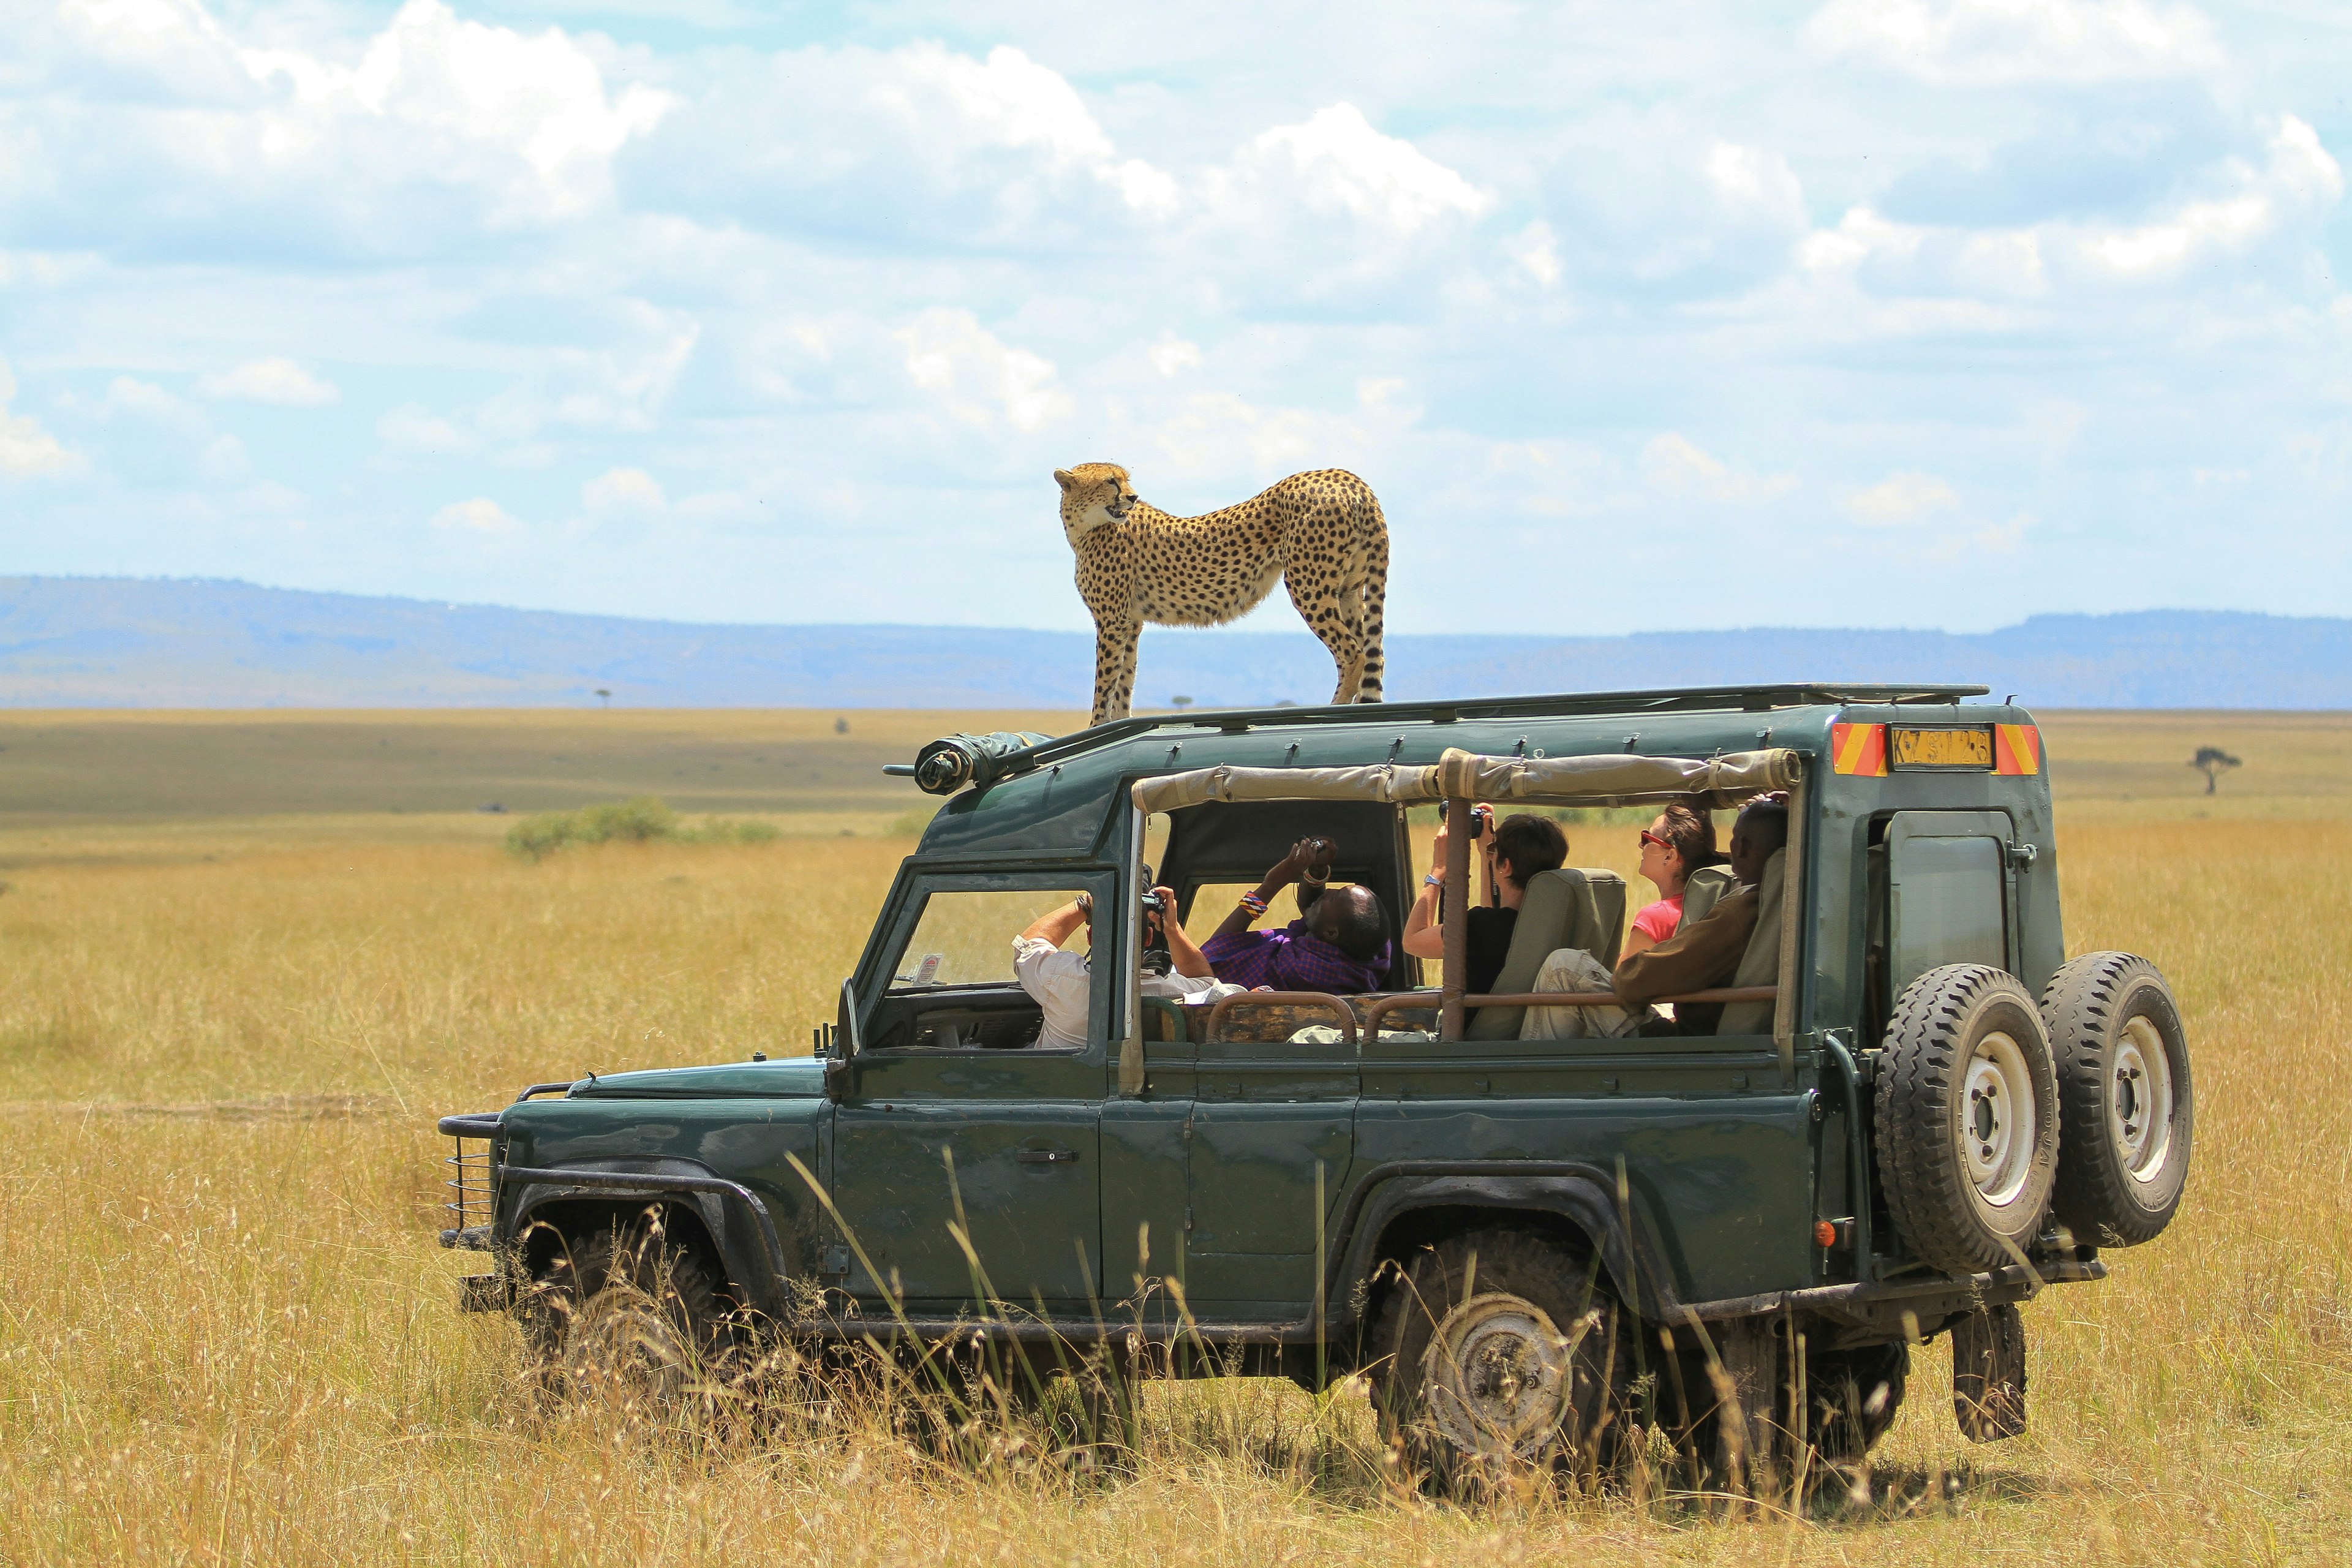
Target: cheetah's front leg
{"x":1114,"y":668}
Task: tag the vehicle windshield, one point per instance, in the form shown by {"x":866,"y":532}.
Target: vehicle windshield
{"x":966,"y":938}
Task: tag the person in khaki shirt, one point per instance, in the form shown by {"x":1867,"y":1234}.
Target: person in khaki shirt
{"x":1706,"y":953}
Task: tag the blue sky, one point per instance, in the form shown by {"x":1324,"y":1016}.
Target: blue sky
{"x":1864,"y":312}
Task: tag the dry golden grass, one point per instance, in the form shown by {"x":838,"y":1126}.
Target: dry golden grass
{"x":225,"y":1333}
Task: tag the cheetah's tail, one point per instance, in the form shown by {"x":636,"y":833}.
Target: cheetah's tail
{"x":1376,"y":592}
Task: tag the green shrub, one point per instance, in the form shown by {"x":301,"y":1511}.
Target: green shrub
{"x":639,"y":821}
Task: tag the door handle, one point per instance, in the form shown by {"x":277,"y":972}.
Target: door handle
{"x":1048,"y":1156}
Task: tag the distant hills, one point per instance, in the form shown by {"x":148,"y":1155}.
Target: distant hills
{"x":103,"y":642}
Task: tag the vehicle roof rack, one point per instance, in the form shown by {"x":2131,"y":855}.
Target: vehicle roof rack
{"x":1563,"y":705}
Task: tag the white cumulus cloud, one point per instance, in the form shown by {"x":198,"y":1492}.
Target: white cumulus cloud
{"x":1902,"y":499}
{"x":26,"y":450}
{"x":2021,"y":40}
{"x":1011,"y":101}
{"x":1679,"y":467}
{"x":1172,"y":354}
{"x":618,"y":489}
{"x":1338,"y":162}
{"x":277,"y":381}
{"x":479,"y":515}
{"x":979,"y":378}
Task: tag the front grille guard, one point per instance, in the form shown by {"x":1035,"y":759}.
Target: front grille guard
{"x":473,"y":1173}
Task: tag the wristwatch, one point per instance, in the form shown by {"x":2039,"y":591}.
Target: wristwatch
{"x":1085,"y":902}
{"x":1435,"y":879}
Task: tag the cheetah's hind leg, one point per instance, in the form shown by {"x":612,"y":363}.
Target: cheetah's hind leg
{"x":1337,"y":625}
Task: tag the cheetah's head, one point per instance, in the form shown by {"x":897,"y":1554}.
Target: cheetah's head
{"x":1093,"y":494}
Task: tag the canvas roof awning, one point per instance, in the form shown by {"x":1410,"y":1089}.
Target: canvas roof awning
{"x":1605,"y":780}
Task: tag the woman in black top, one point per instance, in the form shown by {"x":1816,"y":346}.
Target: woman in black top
{"x":1514,"y":848}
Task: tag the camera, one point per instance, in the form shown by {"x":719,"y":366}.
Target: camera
{"x":1153,"y":903}
{"x":1481,"y":820}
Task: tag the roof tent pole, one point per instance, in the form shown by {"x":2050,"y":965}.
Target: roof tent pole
{"x":1456,"y":918}
{"x":1130,"y":965}
{"x":1792,"y":928}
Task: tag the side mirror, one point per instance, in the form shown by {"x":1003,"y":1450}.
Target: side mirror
{"x":840,"y":1066}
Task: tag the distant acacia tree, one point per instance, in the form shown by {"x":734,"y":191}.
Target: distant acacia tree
{"x":1181,"y":701}
{"x":841,"y":726}
{"x":2212,"y":761}
{"x":605,"y":695}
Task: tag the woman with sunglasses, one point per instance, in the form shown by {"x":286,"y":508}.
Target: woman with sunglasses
{"x":1679,"y":842}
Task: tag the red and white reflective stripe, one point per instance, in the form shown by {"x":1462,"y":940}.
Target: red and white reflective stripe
{"x":2016,"y":749}
{"x":1859,"y":749}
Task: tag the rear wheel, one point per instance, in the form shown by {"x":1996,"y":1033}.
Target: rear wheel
{"x":1967,"y":1119}
{"x":1852,"y":1397}
{"x":2124,"y":1094}
{"x":1497,"y":1349}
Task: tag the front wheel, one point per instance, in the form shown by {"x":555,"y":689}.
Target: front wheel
{"x":632,"y":1316}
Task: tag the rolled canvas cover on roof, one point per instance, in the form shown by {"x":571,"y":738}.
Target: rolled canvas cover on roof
{"x":1611,"y":780}
{"x":1386,"y":782}
{"x":1615,"y":780}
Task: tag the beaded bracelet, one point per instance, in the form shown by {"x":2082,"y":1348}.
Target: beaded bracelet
{"x":1253,"y":903}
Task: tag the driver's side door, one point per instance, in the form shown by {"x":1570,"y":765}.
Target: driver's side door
{"x":952,"y":1117}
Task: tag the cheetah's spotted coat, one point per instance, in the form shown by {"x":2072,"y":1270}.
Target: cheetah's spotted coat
{"x":1320,"y":532}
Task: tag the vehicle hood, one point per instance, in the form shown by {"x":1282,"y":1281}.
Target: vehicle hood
{"x":795,"y":1077}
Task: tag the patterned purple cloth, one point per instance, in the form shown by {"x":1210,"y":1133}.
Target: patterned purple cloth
{"x":1293,"y":958}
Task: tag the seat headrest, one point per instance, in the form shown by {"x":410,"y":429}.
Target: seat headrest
{"x":1760,"y":963}
{"x":1581,"y":907}
{"x":1704,"y":889}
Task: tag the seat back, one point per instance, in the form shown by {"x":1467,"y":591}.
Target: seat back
{"x":1704,"y":889}
{"x":1760,"y":963}
{"x":1572,"y":907}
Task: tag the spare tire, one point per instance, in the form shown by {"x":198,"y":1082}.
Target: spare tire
{"x":2124,"y":1096}
{"x":1967,"y":1117}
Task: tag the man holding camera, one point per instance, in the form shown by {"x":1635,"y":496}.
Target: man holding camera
{"x":1339,"y":942}
{"x":1061,"y":983}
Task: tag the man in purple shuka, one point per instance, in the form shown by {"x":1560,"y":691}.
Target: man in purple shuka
{"x":1340,"y":944}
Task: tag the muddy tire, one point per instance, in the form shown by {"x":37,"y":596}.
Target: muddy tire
{"x":1852,"y":1397}
{"x":1968,"y":1123}
{"x":1497,"y":1350}
{"x":2125,"y":1099}
{"x":633,"y":1316}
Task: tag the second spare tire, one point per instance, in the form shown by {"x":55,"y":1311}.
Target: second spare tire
{"x":2123,"y":1089}
{"x":1967,"y":1110}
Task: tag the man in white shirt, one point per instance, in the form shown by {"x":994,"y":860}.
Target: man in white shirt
{"x":1060,"y":982}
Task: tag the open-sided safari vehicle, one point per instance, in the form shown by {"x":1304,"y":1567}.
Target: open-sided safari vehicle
{"x":1913,"y":1115}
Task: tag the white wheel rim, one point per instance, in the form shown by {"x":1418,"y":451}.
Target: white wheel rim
{"x":1997,"y":1120}
{"x":2139,"y":1102}
{"x":1497,"y":1376}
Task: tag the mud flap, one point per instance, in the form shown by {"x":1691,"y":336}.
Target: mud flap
{"x":1989,"y":1373}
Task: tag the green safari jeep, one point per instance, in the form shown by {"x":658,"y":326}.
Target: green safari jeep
{"x":1913,"y":1114}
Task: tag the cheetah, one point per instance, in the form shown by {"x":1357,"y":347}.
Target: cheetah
{"x":1320,"y":532}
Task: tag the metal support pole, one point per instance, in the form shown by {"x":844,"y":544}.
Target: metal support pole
{"x":1793,"y":925}
{"x":1456,"y":913}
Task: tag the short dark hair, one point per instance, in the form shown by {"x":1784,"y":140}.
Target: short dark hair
{"x":1765,"y":817}
{"x":1351,"y":919}
{"x":1531,"y":844}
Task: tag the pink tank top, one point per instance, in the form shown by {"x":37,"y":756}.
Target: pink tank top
{"x":1658,"y":921}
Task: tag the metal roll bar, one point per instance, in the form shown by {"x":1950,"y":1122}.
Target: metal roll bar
{"x":1281,"y":999}
{"x":1426,"y":1001}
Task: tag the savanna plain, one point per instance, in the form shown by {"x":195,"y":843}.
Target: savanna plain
{"x":250,"y":958}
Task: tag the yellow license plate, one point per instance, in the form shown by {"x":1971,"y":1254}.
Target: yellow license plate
{"x":1942,"y":748}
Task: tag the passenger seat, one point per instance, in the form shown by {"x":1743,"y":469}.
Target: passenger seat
{"x":1761,"y":964}
{"x":1702,"y":891}
{"x":1571,"y":906}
